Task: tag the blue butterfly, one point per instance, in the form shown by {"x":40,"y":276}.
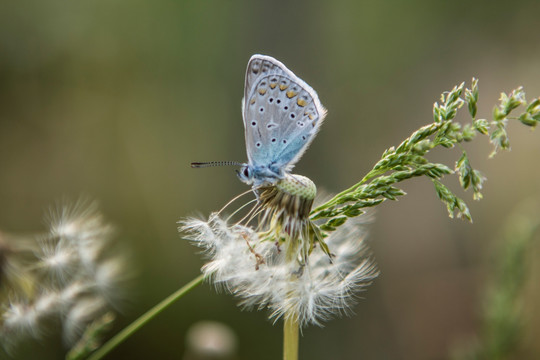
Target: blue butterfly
{"x":282,"y":114}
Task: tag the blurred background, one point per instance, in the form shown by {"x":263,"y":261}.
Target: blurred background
{"x":113,"y":99}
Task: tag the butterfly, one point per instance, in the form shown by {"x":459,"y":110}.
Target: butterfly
{"x":282,"y":115}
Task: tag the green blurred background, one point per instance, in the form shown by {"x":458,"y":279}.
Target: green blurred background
{"x":114,"y":99}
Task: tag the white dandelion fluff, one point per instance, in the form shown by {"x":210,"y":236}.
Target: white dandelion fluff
{"x":82,"y":313}
{"x":56,"y":258}
{"x":20,"y":318}
{"x":278,"y":265}
{"x":70,"y":275}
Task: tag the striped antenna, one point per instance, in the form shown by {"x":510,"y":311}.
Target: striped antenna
{"x":215,"y":163}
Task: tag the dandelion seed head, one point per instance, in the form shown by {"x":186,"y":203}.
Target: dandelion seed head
{"x":64,"y":278}
{"x":287,"y":205}
{"x":277,"y":265}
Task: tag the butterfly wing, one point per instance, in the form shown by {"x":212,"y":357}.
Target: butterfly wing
{"x":282,"y":114}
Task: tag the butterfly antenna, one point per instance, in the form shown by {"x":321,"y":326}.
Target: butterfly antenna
{"x":215,"y":163}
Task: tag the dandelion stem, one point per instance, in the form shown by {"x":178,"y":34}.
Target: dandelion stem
{"x":146,"y":317}
{"x":290,"y":338}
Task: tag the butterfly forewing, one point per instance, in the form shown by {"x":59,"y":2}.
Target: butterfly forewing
{"x":282,"y":114}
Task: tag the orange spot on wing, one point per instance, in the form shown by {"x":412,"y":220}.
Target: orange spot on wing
{"x":291,"y":94}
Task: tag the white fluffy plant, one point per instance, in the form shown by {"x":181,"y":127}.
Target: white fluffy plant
{"x":306,"y":265}
{"x":68,"y":278}
{"x":283,"y":263}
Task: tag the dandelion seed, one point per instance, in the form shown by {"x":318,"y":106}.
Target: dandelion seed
{"x":83,"y":312}
{"x":48,"y":303}
{"x":284,"y":263}
{"x":73,"y":291}
{"x":82,"y":226}
{"x":20,"y":318}
{"x":110,"y":279}
{"x":57,"y":258}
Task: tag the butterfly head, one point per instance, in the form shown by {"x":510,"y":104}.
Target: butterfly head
{"x":259,"y":175}
{"x":245,"y":174}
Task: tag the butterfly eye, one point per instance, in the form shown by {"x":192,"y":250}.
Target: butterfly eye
{"x":246,"y":172}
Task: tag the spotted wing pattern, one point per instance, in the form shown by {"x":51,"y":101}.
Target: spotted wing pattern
{"x":282,"y":114}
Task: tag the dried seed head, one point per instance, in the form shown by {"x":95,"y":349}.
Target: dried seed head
{"x":299,"y":280}
{"x":292,"y":196}
{"x":64,"y":276}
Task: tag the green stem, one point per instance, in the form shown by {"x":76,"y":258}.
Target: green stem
{"x":143,"y":319}
{"x":421,"y":134}
{"x":290,"y":338}
{"x":335,"y":200}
